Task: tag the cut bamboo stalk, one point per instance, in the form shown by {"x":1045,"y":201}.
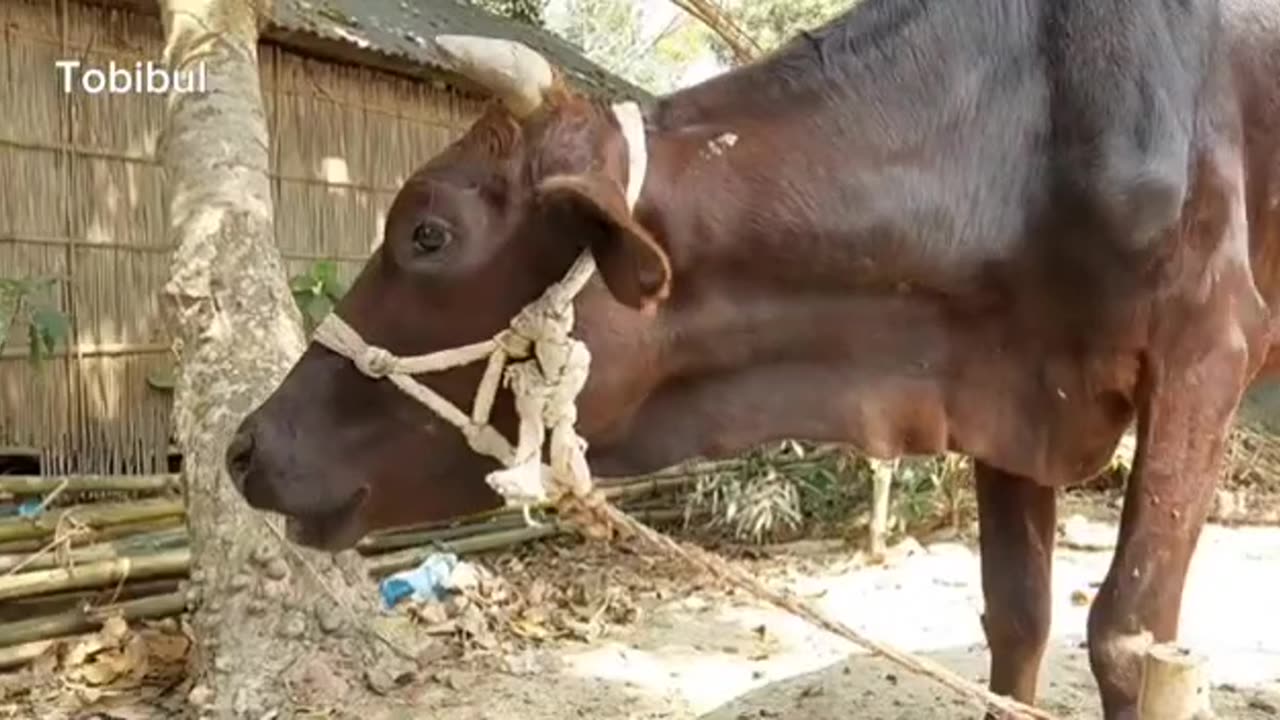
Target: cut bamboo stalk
{"x":79,"y":620}
{"x":642,"y":488}
{"x":95,"y":516}
{"x":504,"y":518}
{"x":379,"y":565}
{"x":403,"y":559}
{"x":19,"y":655}
{"x":95,"y":536}
{"x":1175,"y":685}
{"x":141,"y":544}
{"x":41,"y":605}
{"x":169,"y":562}
{"x":39,"y":485}
{"x":396,"y":541}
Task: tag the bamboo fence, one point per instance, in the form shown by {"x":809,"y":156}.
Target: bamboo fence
{"x":81,"y":201}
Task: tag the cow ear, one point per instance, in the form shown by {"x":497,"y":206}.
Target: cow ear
{"x":634,"y":267}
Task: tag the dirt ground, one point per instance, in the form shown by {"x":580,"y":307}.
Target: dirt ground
{"x":704,"y":655}
{"x":673,"y":646}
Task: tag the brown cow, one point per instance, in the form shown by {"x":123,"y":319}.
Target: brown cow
{"x":1008,"y":228}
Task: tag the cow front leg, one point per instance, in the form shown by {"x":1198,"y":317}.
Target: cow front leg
{"x":1183,"y":423}
{"x":1016,"y":521}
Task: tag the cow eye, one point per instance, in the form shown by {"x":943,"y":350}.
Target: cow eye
{"x":430,"y":237}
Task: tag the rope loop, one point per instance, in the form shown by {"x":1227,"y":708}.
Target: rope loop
{"x":375,"y":362}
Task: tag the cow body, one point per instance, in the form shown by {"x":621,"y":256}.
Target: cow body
{"x":1004,"y":228}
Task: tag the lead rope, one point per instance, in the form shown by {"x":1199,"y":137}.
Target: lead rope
{"x":545,"y":368}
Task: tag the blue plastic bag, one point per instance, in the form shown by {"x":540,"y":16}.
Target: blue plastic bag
{"x":428,"y":581}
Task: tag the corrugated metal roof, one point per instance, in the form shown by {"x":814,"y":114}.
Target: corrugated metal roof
{"x":402,"y":30}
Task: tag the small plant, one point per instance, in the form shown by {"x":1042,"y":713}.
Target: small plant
{"x":316,"y":291}
{"x":758,"y":501}
{"x":33,"y":302}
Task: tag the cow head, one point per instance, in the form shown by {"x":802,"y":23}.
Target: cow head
{"x":475,"y":234}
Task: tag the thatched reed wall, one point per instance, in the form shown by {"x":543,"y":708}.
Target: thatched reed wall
{"x":81,"y":200}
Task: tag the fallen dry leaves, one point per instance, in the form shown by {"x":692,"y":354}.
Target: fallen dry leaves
{"x":517,"y":601}
{"x":74,"y":675}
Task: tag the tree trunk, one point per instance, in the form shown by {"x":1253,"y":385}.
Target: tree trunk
{"x":269,"y":616}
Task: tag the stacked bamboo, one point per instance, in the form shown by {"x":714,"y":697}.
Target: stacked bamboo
{"x":89,"y":547}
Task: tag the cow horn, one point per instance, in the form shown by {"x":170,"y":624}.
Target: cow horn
{"x":516,"y":74}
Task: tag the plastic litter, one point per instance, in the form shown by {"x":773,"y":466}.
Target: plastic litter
{"x":430,"y":581}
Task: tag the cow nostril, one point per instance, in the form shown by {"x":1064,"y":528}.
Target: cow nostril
{"x":239,"y":457}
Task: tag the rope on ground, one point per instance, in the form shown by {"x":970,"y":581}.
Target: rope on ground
{"x":1010,"y":708}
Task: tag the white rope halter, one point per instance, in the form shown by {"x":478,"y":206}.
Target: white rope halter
{"x":539,"y":360}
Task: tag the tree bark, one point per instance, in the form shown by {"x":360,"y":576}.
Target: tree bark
{"x":267,"y":614}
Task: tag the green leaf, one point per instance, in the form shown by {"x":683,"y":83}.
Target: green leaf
{"x":51,"y":324}
{"x":317,"y":308}
{"x":325,"y":272}
{"x":335,"y":290}
{"x":303,"y":284}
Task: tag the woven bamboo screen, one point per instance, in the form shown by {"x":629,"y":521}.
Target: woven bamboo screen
{"x":81,"y":201}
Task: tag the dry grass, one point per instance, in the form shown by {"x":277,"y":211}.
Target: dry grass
{"x":772,"y":495}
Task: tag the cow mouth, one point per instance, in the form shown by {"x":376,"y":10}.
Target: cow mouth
{"x":334,"y":530}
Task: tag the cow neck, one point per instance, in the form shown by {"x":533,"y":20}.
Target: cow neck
{"x":544,"y":366}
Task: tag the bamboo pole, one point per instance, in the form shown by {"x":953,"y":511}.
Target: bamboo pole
{"x":40,"y":485}
{"x":393,"y":562}
{"x":508,"y":518}
{"x":19,"y":655}
{"x":53,"y":603}
{"x":142,"y":544}
{"x":92,"y":515}
{"x":81,"y":619}
{"x":1175,"y":684}
{"x":91,"y":537}
{"x":379,"y":565}
{"x":396,"y":541}
{"x":168,"y":562}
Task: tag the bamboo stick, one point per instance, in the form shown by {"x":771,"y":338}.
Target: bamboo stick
{"x":396,"y":541}
{"x":25,"y":640}
{"x":619,"y":490}
{"x":96,"y":536}
{"x":135,"y":545}
{"x":19,"y":655}
{"x":82,"y":619}
{"x":39,"y":485}
{"x":40,"y":605}
{"x":385,"y":564}
{"x":403,"y":559}
{"x":168,"y":562}
{"x":91,"y":515}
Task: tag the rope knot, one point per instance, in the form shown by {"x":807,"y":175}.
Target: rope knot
{"x":375,"y":362}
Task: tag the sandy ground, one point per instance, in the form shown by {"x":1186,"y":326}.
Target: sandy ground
{"x":708,"y":656}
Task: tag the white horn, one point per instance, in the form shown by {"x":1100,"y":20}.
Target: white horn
{"x":512,"y":71}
